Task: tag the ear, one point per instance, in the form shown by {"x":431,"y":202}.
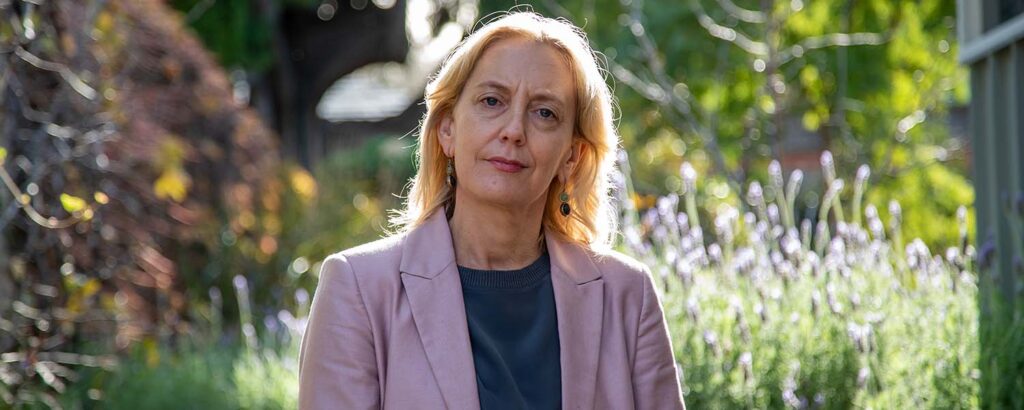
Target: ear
{"x":575,"y":153}
{"x":445,"y":134}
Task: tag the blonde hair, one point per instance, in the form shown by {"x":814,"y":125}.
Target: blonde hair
{"x":592,"y":221}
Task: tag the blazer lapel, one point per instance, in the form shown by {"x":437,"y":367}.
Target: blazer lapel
{"x":431,"y":281}
{"x":579,"y":301}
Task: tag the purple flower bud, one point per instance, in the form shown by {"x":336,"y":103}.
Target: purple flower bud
{"x":828,"y":166}
{"x":747,"y":364}
{"x":755,"y":194}
{"x":689,"y":177}
{"x":862,"y":377}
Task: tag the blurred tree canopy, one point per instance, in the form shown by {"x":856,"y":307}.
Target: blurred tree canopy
{"x":239,"y":32}
{"x":133,"y":184}
{"x":727,"y":85}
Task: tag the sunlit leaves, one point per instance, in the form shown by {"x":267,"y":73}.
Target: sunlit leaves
{"x":811,"y":120}
{"x":72,"y":203}
{"x":76,"y":206}
{"x":173,"y":182}
{"x":814,"y":19}
{"x":152,"y":352}
{"x":303,"y":183}
{"x":80,"y":291}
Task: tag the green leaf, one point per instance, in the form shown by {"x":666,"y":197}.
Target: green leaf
{"x":72,"y":203}
{"x":811,"y":121}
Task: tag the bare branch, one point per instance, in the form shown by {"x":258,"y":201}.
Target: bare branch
{"x":742,"y":14}
{"x":843,"y":39}
{"x":674,"y":101}
{"x":73,"y":80}
{"x":661,"y":91}
{"x":831,"y":40}
{"x":648,"y":90}
{"x":36,"y":217}
{"x":728,"y":34}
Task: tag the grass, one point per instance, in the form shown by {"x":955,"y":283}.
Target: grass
{"x":215,"y":378}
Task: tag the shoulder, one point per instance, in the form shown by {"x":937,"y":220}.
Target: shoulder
{"x":617,"y":263}
{"x":367,"y":262}
{"x":627,"y":281}
{"x":381,"y":251}
{"x":621,"y":271}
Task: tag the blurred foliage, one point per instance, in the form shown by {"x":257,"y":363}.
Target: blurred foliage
{"x":766,"y":314}
{"x":252,"y":363}
{"x":1002,"y":351}
{"x":729,"y":86}
{"x":215,"y":377}
{"x":162,"y":255}
{"x":132,"y":181}
{"x":1002,"y":322}
{"x":244,"y":34}
{"x":927,"y":190}
{"x":138,"y":194}
{"x":239,"y":32}
{"x":358,"y":187}
{"x":201,"y":373}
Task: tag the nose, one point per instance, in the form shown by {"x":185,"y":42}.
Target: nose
{"x":514,"y":129}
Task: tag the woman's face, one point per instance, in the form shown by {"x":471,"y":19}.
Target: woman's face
{"x":511,"y":130}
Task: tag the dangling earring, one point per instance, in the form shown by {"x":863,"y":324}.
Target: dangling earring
{"x":449,"y":205}
{"x":450,"y":170}
{"x":565,"y":208}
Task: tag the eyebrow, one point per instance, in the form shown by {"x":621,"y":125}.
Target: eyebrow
{"x":543,"y":95}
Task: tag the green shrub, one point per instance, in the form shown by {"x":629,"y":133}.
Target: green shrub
{"x":199,"y":377}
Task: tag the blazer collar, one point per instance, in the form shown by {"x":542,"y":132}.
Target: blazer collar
{"x":431,"y":280}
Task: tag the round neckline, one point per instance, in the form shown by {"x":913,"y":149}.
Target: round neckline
{"x":521,"y":278}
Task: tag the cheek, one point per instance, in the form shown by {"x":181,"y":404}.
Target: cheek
{"x":470,"y":134}
{"x":551,"y":162}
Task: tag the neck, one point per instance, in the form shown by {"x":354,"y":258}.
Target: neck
{"x":490,"y":238}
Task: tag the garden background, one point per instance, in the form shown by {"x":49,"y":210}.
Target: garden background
{"x":797,"y":173}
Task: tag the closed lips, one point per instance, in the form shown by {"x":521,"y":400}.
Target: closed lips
{"x":506,"y":165}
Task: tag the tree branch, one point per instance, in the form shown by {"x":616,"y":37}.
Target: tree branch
{"x":725,"y":33}
{"x":742,"y":14}
{"x":22,"y":200}
{"x":831,"y":40}
{"x":72,"y":79}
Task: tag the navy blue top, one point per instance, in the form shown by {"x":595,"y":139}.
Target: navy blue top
{"x":513,"y":329}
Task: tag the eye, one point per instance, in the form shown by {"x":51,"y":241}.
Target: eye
{"x":546,"y":113}
{"x":490,"y":101}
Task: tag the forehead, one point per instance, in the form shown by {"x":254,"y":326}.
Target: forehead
{"x":516,"y":62}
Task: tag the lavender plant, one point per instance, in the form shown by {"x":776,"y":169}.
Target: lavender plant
{"x":832,"y":313}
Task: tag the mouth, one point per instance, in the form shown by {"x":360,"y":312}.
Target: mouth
{"x":506,"y":165}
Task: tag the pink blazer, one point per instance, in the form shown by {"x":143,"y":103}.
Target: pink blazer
{"x":387,"y":329}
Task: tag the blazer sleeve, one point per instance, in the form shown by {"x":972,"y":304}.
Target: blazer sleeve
{"x":655,"y":381}
{"x":337,"y":365}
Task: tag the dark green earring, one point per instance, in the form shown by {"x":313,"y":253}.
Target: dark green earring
{"x":565,"y":209}
{"x":450,"y":170}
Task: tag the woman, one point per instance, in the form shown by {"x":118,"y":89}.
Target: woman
{"x":499,"y":292}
